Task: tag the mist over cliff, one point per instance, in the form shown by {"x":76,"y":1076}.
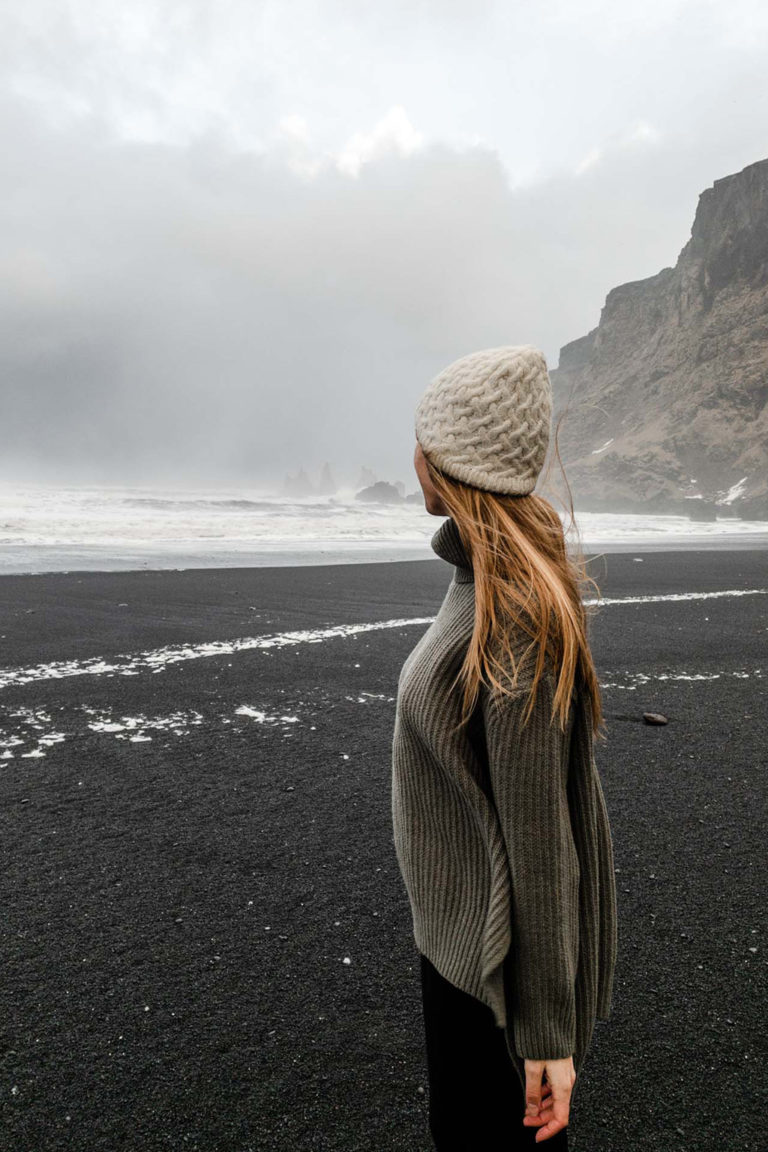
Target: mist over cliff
{"x":665,"y":402}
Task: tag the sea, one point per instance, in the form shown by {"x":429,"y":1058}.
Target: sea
{"x":57,"y":529}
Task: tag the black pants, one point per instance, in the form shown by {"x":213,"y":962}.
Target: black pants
{"x":476,"y":1100}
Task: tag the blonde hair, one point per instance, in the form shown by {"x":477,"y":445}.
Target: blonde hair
{"x":525,"y":576}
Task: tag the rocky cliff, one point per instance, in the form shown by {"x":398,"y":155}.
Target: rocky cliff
{"x":665,"y":402}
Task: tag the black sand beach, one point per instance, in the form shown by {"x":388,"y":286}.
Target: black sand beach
{"x":193,"y":847}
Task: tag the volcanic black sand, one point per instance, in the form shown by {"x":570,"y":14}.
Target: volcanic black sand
{"x":182,"y":882}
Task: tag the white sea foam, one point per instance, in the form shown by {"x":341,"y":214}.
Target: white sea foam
{"x":264,"y":717}
{"x":674,"y":596}
{"x":136,"y":729}
{"x":138,"y":725}
{"x":132,"y":664}
{"x":630,"y":681}
{"x":32,"y":740}
{"x":44,"y":529}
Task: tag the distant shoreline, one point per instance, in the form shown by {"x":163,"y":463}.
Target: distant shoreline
{"x":25,"y":560}
{"x":98,"y":530}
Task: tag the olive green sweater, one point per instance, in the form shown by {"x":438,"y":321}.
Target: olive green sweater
{"x":502,"y":837}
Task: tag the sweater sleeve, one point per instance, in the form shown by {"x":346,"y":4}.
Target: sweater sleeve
{"x":528,"y":769}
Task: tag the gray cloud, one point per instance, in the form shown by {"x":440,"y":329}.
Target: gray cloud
{"x":193,"y":310}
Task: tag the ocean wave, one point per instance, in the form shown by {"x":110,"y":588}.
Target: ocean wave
{"x":276,"y":506}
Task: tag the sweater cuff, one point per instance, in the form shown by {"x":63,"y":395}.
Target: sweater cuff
{"x":538,"y":1037}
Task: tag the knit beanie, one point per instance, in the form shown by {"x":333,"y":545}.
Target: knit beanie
{"x":485,"y":419}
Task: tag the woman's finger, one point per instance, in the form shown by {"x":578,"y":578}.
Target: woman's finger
{"x":539,"y":1121}
{"x":534,"y":1070}
{"x":545,"y":1112}
{"x":548,"y":1131}
{"x":560,"y":1111}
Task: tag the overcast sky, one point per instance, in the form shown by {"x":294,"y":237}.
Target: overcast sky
{"x":237,"y":237}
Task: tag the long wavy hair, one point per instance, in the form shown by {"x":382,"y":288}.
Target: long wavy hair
{"x":526,"y":583}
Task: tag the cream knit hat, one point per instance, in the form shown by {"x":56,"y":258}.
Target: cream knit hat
{"x":485,"y":419}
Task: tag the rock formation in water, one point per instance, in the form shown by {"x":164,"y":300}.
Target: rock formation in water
{"x":382,"y":492}
{"x":298,"y":486}
{"x":667,"y":398}
{"x":326,"y":486}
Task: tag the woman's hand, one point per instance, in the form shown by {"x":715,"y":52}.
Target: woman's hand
{"x":548,"y":1104}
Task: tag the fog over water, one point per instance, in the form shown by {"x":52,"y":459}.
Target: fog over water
{"x":68,"y":529}
{"x":237,"y":239}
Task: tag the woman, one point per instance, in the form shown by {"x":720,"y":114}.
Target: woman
{"x":500,"y":824}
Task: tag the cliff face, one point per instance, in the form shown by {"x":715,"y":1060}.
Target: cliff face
{"x":666,"y":400}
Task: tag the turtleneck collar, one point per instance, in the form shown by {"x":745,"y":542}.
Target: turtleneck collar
{"x":447,"y":543}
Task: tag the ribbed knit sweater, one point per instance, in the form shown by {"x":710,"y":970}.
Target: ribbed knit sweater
{"x":502,"y":837}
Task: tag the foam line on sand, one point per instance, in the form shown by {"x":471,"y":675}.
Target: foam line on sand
{"x":155,"y":660}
